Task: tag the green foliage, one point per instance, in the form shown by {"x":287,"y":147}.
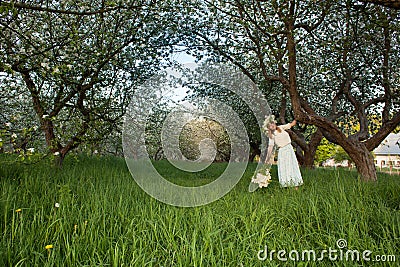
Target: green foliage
{"x":341,"y":155}
{"x":154,"y":126}
{"x":70,"y":67}
{"x":345,"y":63}
{"x":76,"y":64}
{"x":104,"y":218}
{"x":324,"y":151}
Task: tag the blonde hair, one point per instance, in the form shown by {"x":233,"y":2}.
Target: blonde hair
{"x":270,"y":119}
{"x":270,"y":131}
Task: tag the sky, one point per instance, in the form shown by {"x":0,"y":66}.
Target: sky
{"x":187,"y":61}
{"x":183,"y":58}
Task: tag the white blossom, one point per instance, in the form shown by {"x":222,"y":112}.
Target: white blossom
{"x":44,"y":65}
{"x":31,"y":150}
{"x":14,"y":135}
{"x":45,"y":116}
{"x":56,"y":153}
{"x":57,"y":205}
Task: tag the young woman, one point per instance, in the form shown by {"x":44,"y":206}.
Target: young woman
{"x":288,"y":167}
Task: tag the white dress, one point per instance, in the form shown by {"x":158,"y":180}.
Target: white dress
{"x":288,"y":167}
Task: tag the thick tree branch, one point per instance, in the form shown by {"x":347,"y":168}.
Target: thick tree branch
{"x":395,"y":4}
{"x":45,"y":121}
{"x":386,"y":128}
{"x":385,"y":75}
{"x":310,"y":28}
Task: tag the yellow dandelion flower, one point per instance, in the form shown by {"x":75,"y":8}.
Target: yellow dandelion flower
{"x":48,"y":247}
{"x":18,"y":210}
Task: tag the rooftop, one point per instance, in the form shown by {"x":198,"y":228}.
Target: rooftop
{"x":389,"y":146}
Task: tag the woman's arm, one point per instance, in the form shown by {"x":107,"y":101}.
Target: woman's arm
{"x":288,"y":125}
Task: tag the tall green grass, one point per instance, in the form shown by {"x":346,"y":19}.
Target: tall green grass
{"x":105,"y":219}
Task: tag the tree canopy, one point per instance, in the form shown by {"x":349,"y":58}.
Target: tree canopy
{"x":327,"y":64}
{"x":333,"y":58}
{"x":80,"y":61}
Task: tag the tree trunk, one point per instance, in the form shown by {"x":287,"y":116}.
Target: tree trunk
{"x":58,"y":160}
{"x":357,"y":150}
{"x":363,"y":160}
{"x":306,"y":157}
{"x":254,"y":151}
{"x":309,"y":156}
{"x":305,"y":152}
{"x":299,"y":153}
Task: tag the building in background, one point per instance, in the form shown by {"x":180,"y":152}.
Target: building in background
{"x":387,"y":154}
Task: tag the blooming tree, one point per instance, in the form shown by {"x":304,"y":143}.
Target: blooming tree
{"x":80,"y":61}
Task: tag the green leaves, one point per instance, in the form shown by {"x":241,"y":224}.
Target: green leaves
{"x":81,"y":61}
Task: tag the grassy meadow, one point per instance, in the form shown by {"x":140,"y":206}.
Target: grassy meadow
{"x":105,"y":219}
